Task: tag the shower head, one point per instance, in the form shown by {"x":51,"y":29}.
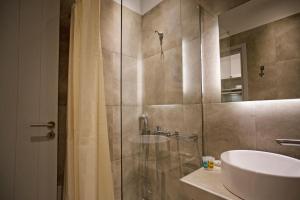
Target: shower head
{"x":160,"y":35}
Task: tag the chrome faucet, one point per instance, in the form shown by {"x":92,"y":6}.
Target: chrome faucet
{"x":160,"y":131}
{"x":143,"y":124}
{"x":288,"y":142}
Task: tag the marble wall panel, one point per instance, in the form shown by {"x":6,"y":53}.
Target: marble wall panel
{"x":229,"y":126}
{"x":163,"y":78}
{"x":165,"y":17}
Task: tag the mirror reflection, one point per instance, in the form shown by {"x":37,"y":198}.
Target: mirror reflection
{"x":260,"y":51}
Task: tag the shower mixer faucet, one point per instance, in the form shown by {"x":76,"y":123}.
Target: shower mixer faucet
{"x":143,"y":124}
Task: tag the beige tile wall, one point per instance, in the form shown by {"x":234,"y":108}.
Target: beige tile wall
{"x":173,"y":79}
{"x":277,"y":119}
{"x":191,"y":71}
{"x":163,"y":79}
{"x":165,"y":17}
{"x":211,"y":59}
{"x":251,"y":125}
{"x":131,"y":104}
{"x":172,"y":83}
{"x":229,"y":126}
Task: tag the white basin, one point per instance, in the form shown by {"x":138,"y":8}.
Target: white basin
{"x":257,"y":175}
{"x":150,"y":147}
{"x":149,"y":139}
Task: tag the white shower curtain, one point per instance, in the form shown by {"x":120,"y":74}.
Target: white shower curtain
{"x":88,"y":169}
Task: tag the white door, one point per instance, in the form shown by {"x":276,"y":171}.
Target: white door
{"x":29,"y":38}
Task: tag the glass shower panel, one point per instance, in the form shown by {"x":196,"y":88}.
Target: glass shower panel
{"x":110,"y":31}
{"x":161,"y":119}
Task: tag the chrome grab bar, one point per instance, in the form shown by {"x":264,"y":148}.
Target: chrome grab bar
{"x":289,"y":142}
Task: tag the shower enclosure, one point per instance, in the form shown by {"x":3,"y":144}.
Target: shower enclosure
{"x":160,"y":99}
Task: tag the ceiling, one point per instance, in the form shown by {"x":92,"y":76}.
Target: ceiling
{"x":255,"y":13}
{"x":216,"y":7}
{"x":140,"y":6}
{"x":213,"y":6}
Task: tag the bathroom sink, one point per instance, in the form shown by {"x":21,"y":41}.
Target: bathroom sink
{"x":150,"y":139}
{"x":257,"y":175}
{"x":151,"y":147}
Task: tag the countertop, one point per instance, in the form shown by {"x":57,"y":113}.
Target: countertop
{"x":209,"y":181}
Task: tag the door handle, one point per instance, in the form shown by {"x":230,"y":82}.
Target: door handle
{"x":50,"y":125}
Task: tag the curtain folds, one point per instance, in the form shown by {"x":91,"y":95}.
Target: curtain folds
{"x":88,"y":173}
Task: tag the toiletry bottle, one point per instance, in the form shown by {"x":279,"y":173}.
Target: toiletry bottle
{"x":205,"y":162}
{"x":211,"y":162}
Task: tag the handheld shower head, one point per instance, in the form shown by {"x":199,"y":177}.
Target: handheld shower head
{"x":160,"y":36}
{"x":159,"y":33}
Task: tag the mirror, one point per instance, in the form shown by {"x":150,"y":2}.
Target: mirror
{"x":260,"y":51}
